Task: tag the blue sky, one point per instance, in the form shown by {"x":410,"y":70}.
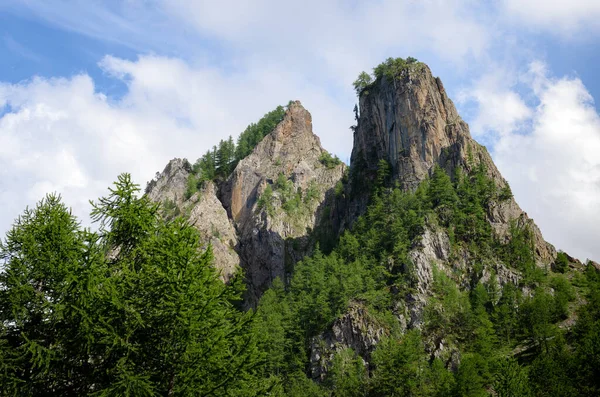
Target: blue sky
{"x":90,"y":88}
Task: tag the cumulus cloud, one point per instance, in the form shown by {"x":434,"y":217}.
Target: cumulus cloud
{"x":501,"y":110}
{"x":63,"y":135}
{"x":336,"y":39}
{"x":554,"y":170}
{"x":221,"y":66}
{"x":570,"y":17}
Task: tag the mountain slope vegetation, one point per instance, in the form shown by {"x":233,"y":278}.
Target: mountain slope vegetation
{"x":421,"y":276}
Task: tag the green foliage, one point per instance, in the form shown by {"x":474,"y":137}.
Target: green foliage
{"x":136,"y":309}
{"x":255,"y":132}
{"x":370,"y":268}
{"x":46,"y":260}
{"x":561,"y":264}
{"x":400,"y":367}
{"x":469,"y":381}
{"x":537,"y":319}
{"x":170,"y":209}
{"x":265,"y":202}
{"x":450,"y":309}
{"x":193,"y":185}
{"x":384,"y":170}
{"x":394,"y":68}
{"x":506,"y":313}
{"x":519,"y":254}
{"x":511,"y":380}
{"x":362,"y":82}
{"x":339,"y":189}
{"x":505,"y":193}
{"x":329,"y":161}
{"x":312,"y":192}
{"x":347,"y":376}
{"x":294,"y":203}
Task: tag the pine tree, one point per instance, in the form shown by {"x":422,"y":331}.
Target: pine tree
{"x":172,"y":326}
{"x":511,"y":380}
{"x":51,"y":278}
{"x":136,"y":310}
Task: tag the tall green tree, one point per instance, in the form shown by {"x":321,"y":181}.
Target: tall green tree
{"x":137,"y":310}
{"x":172,"y":323}
{"x":51,"y":279}
{"x":511,"y":380}
{"x":400,"y":367}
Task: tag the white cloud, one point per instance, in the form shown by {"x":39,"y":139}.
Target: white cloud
{"x":570,"y":17}
{"x":500,"y":109}
{"x":230,"y":62}
{"x":555,"y":171}
{"x":336,"y":39}
{"x":61,"y":135}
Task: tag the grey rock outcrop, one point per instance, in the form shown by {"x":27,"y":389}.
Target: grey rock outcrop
{"x":265,"y":240}
{"x":203,"y":210}
{"x":207,"y":215}
{"x":171,"y":183}
{"x":412,"y":124}
{"x":355,"y":329}
{"x":274,"y":237}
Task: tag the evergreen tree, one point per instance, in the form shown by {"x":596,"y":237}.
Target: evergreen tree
{"x":51,"y":279}
{"x":511,"y":380}
{"x":137,"y":310}
{"x":400,"y":367}
{"x":347,"y":376}
{"x":441,"y":192}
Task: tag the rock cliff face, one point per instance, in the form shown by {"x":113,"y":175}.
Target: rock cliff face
{"x":412,"y":124}
{"x":355,"y":329}
{"x":263,"y":216}
{"x":203,"y":210}
{"x":275,"y":235}
{"x":265,"y":239}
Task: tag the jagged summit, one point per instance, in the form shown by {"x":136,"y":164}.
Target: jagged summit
{"x":262,"y":215}
{"x":275,"y":198}
{"x":408,"y":120}
{"x":292,"y":149}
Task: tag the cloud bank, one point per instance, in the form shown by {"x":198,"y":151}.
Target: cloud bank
{"x":206,"y":70}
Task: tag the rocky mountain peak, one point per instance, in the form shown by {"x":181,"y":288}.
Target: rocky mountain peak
{"x":291,"y":149}
{"x":408,"y":120}
{"x":276,"y":196}
{"x":203,"y":210}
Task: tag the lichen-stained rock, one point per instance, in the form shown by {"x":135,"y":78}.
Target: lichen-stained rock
{"x":203,"y":210}
{"x":170,"y":185}
{"x":275,"y":235}
{"x":411,"y":123}
{"x":355,"y":329}
{"x":207,"y":215}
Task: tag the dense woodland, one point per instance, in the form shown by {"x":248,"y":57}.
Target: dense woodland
{"x":137,"y":308}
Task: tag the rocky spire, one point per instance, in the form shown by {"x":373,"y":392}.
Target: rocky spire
{"x":203,"y":210}
{"x":410,"y":122}
{"x":289,"y":163}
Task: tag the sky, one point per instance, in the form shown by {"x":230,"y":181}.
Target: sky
{"x":90,"y":89}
